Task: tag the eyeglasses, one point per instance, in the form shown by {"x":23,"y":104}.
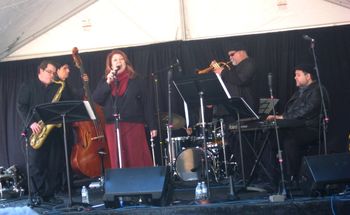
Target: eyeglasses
{"x":50,"y":72}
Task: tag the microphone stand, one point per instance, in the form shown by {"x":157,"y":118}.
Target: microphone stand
{"x":24,"y":134}
{"x":323,"y":113}
{"x":171,"y":148}
{"x":117,"y":130}
{"x":170,"y":120}
{"x":279,"y":197}
{"x":161,"y":146}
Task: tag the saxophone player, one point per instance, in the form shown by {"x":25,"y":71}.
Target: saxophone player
{"x":44,"y":162}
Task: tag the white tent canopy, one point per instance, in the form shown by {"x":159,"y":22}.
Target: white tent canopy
{"x":37,"y":28}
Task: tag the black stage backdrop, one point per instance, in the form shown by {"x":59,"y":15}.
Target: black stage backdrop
{"x":275,"y":53}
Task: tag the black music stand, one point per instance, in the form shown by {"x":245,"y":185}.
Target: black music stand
{"x":216,"y":93}
{"x":212,"y":89}
{"x":266,"y":105}
{"x":238,"y":107}
{"x":65,"y":112}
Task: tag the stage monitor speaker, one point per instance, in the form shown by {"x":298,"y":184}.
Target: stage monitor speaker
{"x":145,"y":182}
{"x":320,"y":171}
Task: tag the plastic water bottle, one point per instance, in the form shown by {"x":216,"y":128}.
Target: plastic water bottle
{"x":198,"y":191}
{"x":204,"y":191}
{"x":84,"y":195}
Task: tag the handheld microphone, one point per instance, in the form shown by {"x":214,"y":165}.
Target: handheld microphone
{"x":306,"y":37}
{"x":116,"y":82}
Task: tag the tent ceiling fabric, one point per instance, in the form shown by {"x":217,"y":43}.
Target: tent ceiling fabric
{"x":237,"y":17}
{"x":106,"y":24}
{"x":22,"y":21}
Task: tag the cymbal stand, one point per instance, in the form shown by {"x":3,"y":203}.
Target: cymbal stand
{"x":170,"y":121}
{"x":223,"y":144}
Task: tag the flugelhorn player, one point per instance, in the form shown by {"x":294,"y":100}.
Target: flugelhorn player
{"x":239,"y":82}
{"x":239,"y":77}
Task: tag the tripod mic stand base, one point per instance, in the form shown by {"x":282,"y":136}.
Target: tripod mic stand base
{"x":232,"y":197}
{"x":277,"y":198}
{"x":73,"y":207}
{"x":202,"y":202}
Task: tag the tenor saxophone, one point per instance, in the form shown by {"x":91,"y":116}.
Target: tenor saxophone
{"x":37,"y":140}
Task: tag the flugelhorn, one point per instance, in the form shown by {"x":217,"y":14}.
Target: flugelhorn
{"x":211,"y":67}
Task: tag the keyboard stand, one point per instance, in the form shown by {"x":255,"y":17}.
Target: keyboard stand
{"x":257,"y":161}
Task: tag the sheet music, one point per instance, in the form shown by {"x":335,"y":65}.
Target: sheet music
{"x":185,"y":105}
{"x":186,"y":115}
{"x":89,"y":110}
{"x":266,"y":105}
{"x":223,"y":85}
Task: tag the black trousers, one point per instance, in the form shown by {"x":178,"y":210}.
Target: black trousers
{"x":46,"y":165}
{"x":295,"y":143}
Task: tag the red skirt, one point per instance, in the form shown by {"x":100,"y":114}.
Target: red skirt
{"x":135,"y":151}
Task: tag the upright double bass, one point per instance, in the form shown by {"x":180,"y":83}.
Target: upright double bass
{"x":85,"y":157}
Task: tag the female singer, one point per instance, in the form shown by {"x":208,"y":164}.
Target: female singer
{"x":122,"y":92}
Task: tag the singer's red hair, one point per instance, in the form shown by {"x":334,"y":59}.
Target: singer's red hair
{"x":129,"y":67}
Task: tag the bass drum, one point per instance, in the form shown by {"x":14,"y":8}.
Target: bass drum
{"x":190,"y":164}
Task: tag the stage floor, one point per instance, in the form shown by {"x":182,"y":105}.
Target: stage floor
{"x":254,"y":200}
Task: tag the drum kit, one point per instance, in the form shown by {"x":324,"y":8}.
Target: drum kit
{"x":10,"y":180}
{"x":187,"y":153}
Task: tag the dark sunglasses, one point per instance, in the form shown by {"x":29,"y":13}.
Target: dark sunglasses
{"x":232,"y":54}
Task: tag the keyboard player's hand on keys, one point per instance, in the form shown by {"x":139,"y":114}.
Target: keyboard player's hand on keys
{"x":273,"y":117}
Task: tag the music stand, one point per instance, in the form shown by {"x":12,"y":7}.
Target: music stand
{"x":208,"y":87}
{"x":266,"y":105}
{"x":214,"y":90}
{"x":65,"y":112}
{"x":238,"y":107}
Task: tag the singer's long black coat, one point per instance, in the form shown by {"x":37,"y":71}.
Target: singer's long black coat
{"x":136,"y":105}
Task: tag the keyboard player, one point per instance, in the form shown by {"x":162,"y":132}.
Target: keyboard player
{"x":305,"y":104}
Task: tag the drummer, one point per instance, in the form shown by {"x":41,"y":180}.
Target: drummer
{"x":208,"y":118}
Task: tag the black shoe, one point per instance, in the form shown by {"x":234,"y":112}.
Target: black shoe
{"x":53,"y":200}
{"x":294,"y":183}
{"x":35,"y":201}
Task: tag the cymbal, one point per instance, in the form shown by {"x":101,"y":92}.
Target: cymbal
{"x":178,"y":121}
